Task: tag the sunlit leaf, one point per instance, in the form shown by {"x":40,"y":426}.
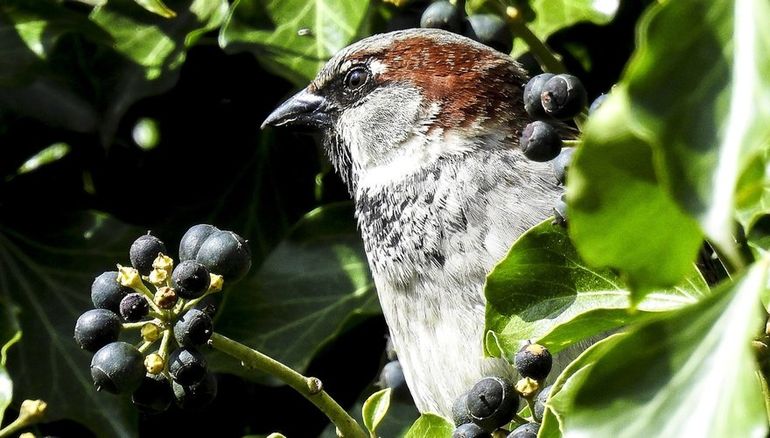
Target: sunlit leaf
{"x":430,"y":426}
{"x":542,"y":291}
{"x":620,"y":214}
{"x":293,"y":38}
{"x":690,"y":373}
{"x":375,"y":408}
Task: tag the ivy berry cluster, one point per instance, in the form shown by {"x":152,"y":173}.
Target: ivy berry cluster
{"x":174,"y":314}
{"x":493,"y":402}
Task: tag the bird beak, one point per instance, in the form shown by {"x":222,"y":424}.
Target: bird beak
{"x":304,"y":110}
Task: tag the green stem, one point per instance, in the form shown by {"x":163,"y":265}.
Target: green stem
{"x":571,"y":143}
{"x":308,"y":387}
{"x":10,"y":429}
{"x":544,"y":55}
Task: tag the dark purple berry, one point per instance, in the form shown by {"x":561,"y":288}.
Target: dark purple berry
{"x":540,"y":141}
{"x":134,"y":307}
{"x":532,"y":103}
{"x":144,"y":251}
{"x":191,"y":279}
{"x":492,"y":402}
{"x":470,"y":430}
{"x":96,"y":328}
{"x":106,"y":292}
{"x":528,"y":430}
{"x":187,"y":366}
{"x":193,"y":239}
{"x":542,"y":397}
{"x":563,"y":96}
{"x":118,"y":368}
{"x":442,"y":15}
{"x":227,"y":254}
{"x":533,"y":361}
{"x":194,"y":328}
{"x":198,"y":395}
{"x":491,"y":30}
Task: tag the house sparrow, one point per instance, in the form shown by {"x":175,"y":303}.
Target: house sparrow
{"x":423,"y":127}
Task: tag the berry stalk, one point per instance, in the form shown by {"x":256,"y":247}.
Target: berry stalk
{"x":308,"y":387}
{"x":544,"y":55}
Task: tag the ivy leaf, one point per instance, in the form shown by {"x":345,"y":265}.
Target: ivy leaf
{"x":542,"y":291}
{"x":272,"y":31}
{"x":10,"y":333}
{"x":157,"y":7}
{"x":562,"y":393}
{"x":430,"y":426}
{"x":400,"y":417}
{"x":153,"y":48}
{"x":47,"y":271}
{"x":690,"y":373}
{"x":711,"y":121}
{"x":374,"y":409}
{"x":554,"y":15}
{"x":620,"y":215}
{"x":306,"y":292}
{"x":28,"y":33}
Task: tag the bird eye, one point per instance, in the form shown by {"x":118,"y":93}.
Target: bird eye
{"x":356,"y":78}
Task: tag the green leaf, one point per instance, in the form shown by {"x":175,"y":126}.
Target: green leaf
{"x":10,"y":334}
{"x":559,"y":403}
{"x":153,"y":48}
{"x":542,"y":291}
{"x":308,"y":290}
{"x":692,"y":373}
{"x":374,"y":409}
{"x":156,"y":7}
{"x":47,"y":271}
{"x":711,"y":121}
{"x":401,"y":415}
{"x":272,"y":31}
{"x":430,"y":426}
{"x":554,"y":15}
{"x":620,"y":215}
{"x":28,"y":33}
{"x":752,"y":195}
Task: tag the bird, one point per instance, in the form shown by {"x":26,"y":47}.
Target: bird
{"x":423,"y":127}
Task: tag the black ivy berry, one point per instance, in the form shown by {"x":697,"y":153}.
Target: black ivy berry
{"x":227,"y":254}
{"x":540,"y":141}
{"x":542,"y":397}
{"x":492,"y":402}
{"x":191,"y":279}
{"x":117,"y":368}
{"x":134,"y":307}
{"x":460,"y":413}
{"x":470,"y":430}
{"x":197,"y":395}
{"x":532,"y":103}
{"x":491,"y":30}
{"x":528,"y":430}
{"x":560,"y":210}
{"x":561,"y":163}
{"x":563,"y":96}
{"x":194,"y":328}
{"x":97,"y":328}
{"x":154,"y":394}
{"x":597,"y":103}
{"x":144,"y":251}
{"x":193,"y":239}
{"x":442,"y":15}
{"x":392,"y":376}
{"x":187,"y":366}
{"x":106,"y":292}
{"x":533,"y":361}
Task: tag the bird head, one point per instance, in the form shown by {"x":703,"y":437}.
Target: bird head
{"x":392,"y":103}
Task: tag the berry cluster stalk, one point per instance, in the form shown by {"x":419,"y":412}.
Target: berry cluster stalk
{"x":308,"y":387}
{"x":544,"y":55}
